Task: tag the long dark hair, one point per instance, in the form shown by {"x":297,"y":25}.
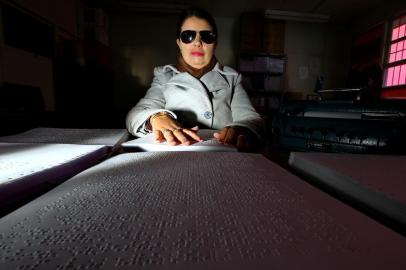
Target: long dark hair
{"x":196,"y":12}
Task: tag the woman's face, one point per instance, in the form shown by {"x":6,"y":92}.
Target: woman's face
{"x":196,"y":53}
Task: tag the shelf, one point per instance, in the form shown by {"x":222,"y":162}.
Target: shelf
{"x":261,"y":64}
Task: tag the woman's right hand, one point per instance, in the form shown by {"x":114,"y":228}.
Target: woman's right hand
{"x":165,"y":128}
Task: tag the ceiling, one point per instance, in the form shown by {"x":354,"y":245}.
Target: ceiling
{"x":343,"y":11}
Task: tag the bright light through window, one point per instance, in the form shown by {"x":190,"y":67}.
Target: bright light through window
{"x":398,"y":30}
{"x":397,"y":51}
{"x":395,"y":72}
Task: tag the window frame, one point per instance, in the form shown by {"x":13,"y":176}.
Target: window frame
{"x":397,"y":91}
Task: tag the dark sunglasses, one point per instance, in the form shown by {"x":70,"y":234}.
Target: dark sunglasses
{"x":206,"y":36}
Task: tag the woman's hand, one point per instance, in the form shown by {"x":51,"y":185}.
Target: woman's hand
{"x":165,"y":128}
{"x":240,"y":137}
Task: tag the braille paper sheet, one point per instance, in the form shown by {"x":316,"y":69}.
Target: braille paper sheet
{"x":209,"y":144}
{"x":376,"y":181}
{"x":109,"y":137}
{"x":27,"y":167}
{"x":193,"y":210}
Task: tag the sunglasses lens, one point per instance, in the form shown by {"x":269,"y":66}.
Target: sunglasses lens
{"x":187,"y":36}
{"x":208,"y":37}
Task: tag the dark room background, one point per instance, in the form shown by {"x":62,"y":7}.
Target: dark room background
{"x":82,"y":63}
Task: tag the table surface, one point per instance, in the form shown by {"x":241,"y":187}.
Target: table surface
{"x":193,"y":210}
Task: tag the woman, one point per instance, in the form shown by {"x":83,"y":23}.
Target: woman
{"x":197,"y":92}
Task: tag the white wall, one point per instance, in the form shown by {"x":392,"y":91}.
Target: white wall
{"x":227,"y":49}
{"x":312,"y":49}
{"x":315,"y":49}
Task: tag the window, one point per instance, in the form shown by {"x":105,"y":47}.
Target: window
{"x":394,"y":84}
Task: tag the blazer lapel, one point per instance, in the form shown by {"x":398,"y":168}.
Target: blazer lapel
{"x":185,"y":80}
{"x":214,"y":81}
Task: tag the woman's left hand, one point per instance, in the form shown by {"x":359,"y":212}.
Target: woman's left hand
{"x":240,"y":137}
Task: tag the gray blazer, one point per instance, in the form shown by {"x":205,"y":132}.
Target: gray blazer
{"x":215,"y":101}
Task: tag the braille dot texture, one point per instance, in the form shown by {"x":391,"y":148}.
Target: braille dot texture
{"x":29,"y":167}
{"x":19,"y":160}
{"x":193,"y":210}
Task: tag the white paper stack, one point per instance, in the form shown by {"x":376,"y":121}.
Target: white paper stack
{"x":27,"y":168}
